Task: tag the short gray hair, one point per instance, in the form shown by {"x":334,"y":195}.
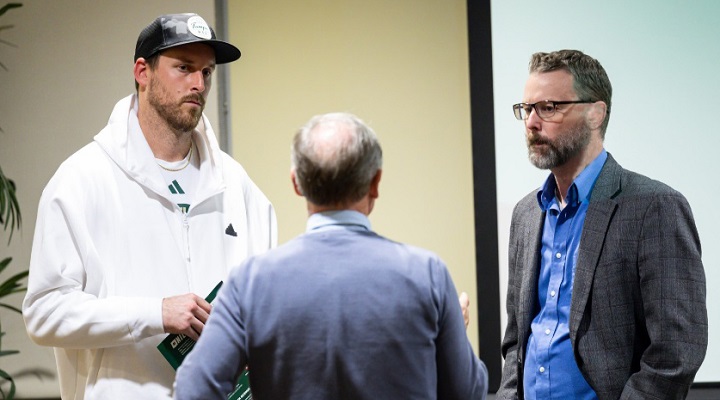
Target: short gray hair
{"x":336,"y":171}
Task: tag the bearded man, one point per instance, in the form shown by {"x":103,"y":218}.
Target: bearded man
{"x":138,"y":226}
{"x":606,"y":288}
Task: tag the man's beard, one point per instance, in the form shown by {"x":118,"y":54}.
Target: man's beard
{"x":172,"y":112}
{"x":558,"y":152}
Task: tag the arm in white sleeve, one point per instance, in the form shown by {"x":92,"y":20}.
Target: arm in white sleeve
{"x":66,"y":304}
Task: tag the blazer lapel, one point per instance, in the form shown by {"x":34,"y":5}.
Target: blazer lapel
{"x":599,"y":214}
{"x":531,"y":265}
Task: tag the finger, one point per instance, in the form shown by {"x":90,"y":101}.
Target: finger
{"x":464,"y":305}
{"x":207,"y":307}
{"x":201,"y":315}
{"x":464,"y":300}
{"x":192,"y":333}
{"x":197,"y":326}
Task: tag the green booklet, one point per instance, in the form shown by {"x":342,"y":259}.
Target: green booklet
{"x":176,"y":346}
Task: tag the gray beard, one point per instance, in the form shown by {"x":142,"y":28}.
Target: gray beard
{"x":558,"y":152}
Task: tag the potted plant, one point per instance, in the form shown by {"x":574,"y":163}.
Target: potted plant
{"x":10,"y":219}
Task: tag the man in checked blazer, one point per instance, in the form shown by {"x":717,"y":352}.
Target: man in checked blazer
{"x":606,"y":291}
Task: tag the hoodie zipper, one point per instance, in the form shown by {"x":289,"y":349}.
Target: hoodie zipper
{"x":186,"y":235}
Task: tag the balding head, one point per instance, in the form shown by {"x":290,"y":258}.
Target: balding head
{"x":335,"y":158}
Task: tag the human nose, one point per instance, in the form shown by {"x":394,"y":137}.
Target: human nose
{"x":198,"y":81}
{"x":533,"y":120}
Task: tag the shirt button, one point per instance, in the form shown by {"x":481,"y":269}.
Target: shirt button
{"x":542,"y":369}
{"x":547,"y":331}
{"x":552,"y":293}
{"x":558,"y":255}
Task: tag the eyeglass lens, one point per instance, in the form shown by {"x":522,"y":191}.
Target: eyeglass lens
{"x":544,"y":109}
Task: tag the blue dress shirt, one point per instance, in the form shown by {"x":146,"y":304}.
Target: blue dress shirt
{"x":348,"y":219}
{"x":551,"y":371}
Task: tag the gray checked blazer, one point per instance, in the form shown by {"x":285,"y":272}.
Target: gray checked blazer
{"x":638,"y":318}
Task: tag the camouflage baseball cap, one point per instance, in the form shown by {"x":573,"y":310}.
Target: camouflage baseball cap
{"x":172,"y":30}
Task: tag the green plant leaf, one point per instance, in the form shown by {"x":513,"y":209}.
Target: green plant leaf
{"x":13,"y":284}
{"x":10,"y":217}
{"x":9,"y":6}
{"x":4,"y":263}
{"x":9,"y":207}
{"x":11,"y":392}
{"x":4,"y":193}
{"x":3,"y":10}
{"x":9,"y":307}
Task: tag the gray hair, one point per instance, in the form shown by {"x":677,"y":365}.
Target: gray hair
{"x":590,"y":79}
{"x":335,"y":169}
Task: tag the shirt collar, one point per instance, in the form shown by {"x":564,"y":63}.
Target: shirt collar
{"x":580,"y":189}
{"x":343,"y":219}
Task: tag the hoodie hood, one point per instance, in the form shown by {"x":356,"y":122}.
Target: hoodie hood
{"x":124,"y":142}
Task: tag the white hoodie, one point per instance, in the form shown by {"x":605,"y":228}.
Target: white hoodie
{"x":109,"y":245}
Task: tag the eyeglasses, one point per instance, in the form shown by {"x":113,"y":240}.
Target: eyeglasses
{"x":544,"y":109}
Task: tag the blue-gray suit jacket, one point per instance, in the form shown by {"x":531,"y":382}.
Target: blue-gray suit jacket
{"x":638,"y":318}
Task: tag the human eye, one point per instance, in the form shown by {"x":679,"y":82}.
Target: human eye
{"x":546,"y":107}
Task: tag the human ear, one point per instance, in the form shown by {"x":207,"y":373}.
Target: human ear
{"x":597,"y":114}
{"x":375,"y":185}
{"x":140,"y":70}
{"x":296,"y":187}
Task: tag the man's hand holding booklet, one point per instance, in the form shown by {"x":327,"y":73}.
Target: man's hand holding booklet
{"x":176,"y":346}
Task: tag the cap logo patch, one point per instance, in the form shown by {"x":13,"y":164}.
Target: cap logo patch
{"x":198,"y":27}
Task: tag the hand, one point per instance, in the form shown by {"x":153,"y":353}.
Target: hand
{"x":465,"y":305}
{"x":185,"y":314}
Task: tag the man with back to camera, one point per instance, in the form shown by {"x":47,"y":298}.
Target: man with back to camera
{"x":138,"y":226}
{"x":606,"y":289}
{"x":338,"y":312}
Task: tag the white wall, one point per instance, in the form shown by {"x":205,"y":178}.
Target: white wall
{"x":73,"y":62}
{"x":662,"y":58}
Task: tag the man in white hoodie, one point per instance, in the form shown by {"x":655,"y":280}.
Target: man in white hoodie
{"x":138,"y":226}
